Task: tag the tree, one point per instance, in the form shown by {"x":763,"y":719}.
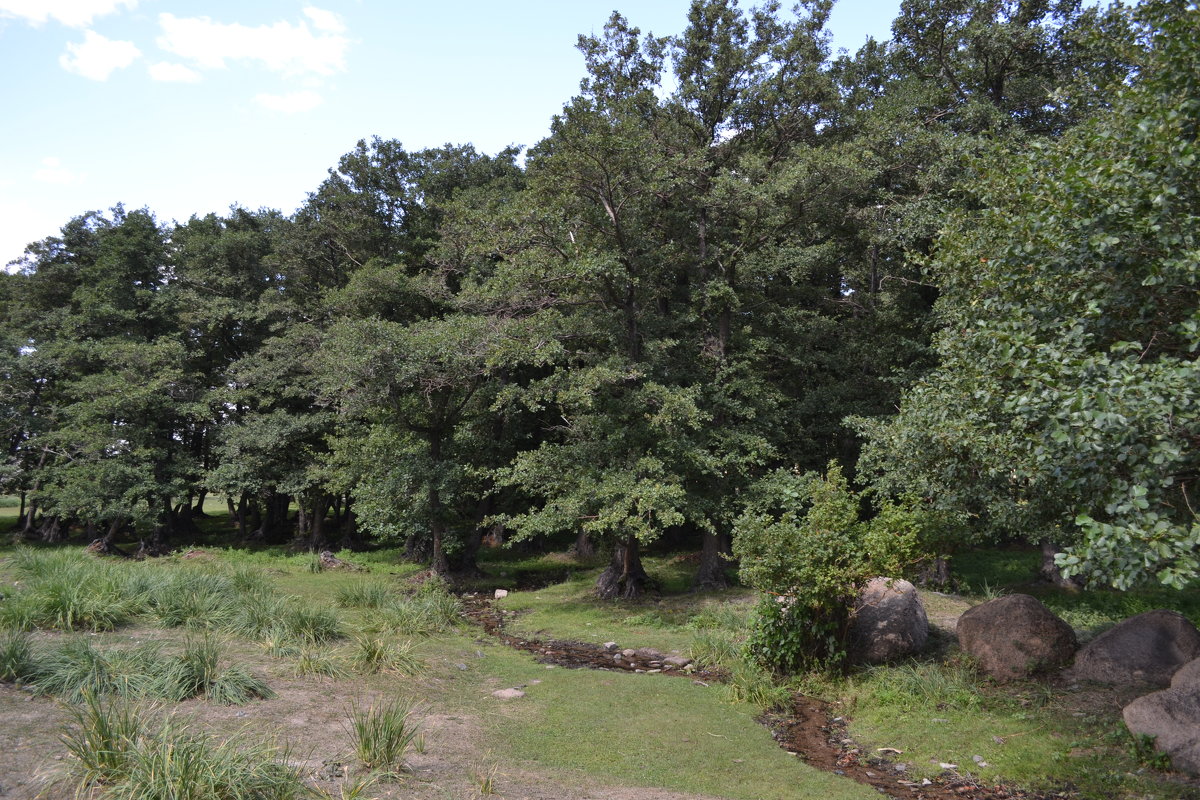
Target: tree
{"x":1064,"y":406}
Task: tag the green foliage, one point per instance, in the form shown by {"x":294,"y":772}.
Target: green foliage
{"x":383,"y":732}
{"x":811,"y":562}
{"x":1065,"y":406}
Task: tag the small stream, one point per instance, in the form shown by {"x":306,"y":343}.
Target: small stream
{"x":809,"y":730}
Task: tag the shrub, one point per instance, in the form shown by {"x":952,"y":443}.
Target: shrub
{"x":811,"y":561}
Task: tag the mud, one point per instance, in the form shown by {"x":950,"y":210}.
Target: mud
{"x":811,"y":731}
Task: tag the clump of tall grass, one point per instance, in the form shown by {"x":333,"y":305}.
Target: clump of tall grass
{"x":374,"y":654}
{"x":383,"y":732}
{"x":285,"y":620}
{"x":321,"y":663}
{"x":431,"y":609}
{"x":713,"y":647}
{"x":72,"y":590}
{"x":117,"y":750}
{"x":363,"y":594}
{"x":751,"y":684}
{"x":16,"y":656}
{"x":75,"y":670}
{"x":101,"y":739}
{"x":919,"y":686}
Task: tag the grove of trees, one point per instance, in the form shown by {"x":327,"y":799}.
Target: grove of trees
{"x":968,"y":255}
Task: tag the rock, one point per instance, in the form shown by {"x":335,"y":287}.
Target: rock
{"x":677,"y":661}
{"x":1188,"y":674}
{"x":500,"y":593}
{"x":1014,"y":636}
{"x":649,"y":654}
{"x":1149,"y":648}
{"x":1172,"y":717}
{"x":629,"y":652}
{"x":610,"y":647}
{"x":508,"y":694}
{"x":889,"y":622}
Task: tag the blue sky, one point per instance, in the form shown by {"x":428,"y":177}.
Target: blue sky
{"x":187,"y":108}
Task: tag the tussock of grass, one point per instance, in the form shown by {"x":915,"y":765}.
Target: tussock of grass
{"x":715,"y":648}
{"x":16,"y":656}
{"x":311,"y":661}
{"x":755,"y":686}
{"x":373,"y":654}
{"x":75,"y":670}
{"x":383,"y":732}
{"x":363,"y":594}
{"x":426,"y":612}
{"x":116,"y":751}
{"x":919,"y":686}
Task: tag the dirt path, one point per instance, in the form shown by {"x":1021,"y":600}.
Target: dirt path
{"x":810,"y":730}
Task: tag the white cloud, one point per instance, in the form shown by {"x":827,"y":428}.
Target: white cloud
{"x":98,"y":56}
{"x":75,"y":13}
{"x":286,"y":48}
{"x":53,"y":171}
{"x":173,"y":73}
{"x":322,"y":20}
{"x":291,"y":103}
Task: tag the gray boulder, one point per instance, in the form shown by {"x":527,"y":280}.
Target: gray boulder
{"x":1148,"y":648}
{"x":1187,"y":675}
{"x":889,"y":622}
{"x":1015,"y":636}
{"x":1172,"y":717}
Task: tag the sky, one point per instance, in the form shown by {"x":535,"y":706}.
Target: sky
{"x":189,"y":108}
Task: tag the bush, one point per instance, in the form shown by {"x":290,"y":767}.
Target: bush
{"x":811,"y":561}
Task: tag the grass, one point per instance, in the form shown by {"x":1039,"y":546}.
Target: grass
{"x":579,"y":727}
{"x":1027,"y":735}
{"x":75,"y":669}
{"x":117,"y":751}
{"x":665,"y":621}
{"x":373,"y":654}
{"x":592,"y":727}
{"x":383,"y":732}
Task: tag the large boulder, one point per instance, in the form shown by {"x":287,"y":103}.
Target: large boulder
{"x":889,"y":622}
{"x":1015,"y":636}
{"x":1172,"y":717}
{"x":1148,"y":648}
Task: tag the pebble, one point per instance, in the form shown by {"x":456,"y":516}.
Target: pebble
{"x":652,"y":671}
{"x":462,"y":667}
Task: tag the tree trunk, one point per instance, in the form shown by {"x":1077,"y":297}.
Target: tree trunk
{"x":316,"y":538}
{"x":1050,"y":571}
{"x":198,"y":508}
{"x":439,"y":563}
{"x":715,"y":555}
{"x":583,"y":548}
{"x":624,"y":577}
{"x":51,"y":530}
